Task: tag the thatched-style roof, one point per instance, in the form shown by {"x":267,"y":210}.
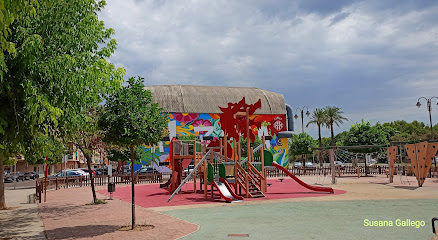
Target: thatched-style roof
{"x":206,"y":99}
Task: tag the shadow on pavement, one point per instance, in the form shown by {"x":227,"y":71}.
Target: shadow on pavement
{"x":14,"y":224}
{"x":80,"y":231}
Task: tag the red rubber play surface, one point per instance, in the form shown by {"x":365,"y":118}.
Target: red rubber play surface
{"x":153,"y":196}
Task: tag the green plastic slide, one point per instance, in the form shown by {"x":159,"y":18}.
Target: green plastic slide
{"x":210,"y":173}
{"x":268,"y":158}
{"x":222,"y":173}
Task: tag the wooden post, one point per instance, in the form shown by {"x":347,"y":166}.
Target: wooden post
{"x":248,"y":139}
{"x":205,"y":180}
{"x":212,"y":196}
{"x":262,"y":157}
{"x":332,"y":164}
{"x":391,"y":177}
{"x":339,"y":170}
{"x":225,"y":147}
{"x":234,"y":150}
{"x":235,"y":166}
{"x":194,"y":164}
{"x":247,"y":185}
{"x":194,"y":174}
{"x":239,"y":152}
{"x":358,"y":172}
{"x":220,"y":146}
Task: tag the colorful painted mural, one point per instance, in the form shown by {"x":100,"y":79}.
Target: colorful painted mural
{"x":204,"y":124}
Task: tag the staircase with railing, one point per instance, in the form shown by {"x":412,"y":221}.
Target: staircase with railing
{"x":249,"y":178}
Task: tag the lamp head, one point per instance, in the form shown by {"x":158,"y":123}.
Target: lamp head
{"x":296,"y":116}
{"x":307,"y":113}
{"x":418,"y":104}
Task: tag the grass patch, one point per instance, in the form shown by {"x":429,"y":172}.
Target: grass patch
{"x":98,"y":201}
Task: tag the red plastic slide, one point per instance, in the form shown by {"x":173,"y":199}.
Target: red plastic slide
{"x":313,"y":188}
{"x":225,"y":191}
{"x":222,"y":180}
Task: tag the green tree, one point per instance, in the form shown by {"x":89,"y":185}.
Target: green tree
{"x":59,"y":69}
{"x":44,"y":149}
{"x":301,"y":144}
{"x":333,"y":116}
{"x":243,"y":146}
{"x":131,"y":119}
{"x":364,"y":133}
{"x":9,"y":10}
{"x":319,"y":117}
{"x":409,"y":131}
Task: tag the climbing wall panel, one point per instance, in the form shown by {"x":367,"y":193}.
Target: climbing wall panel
{"x":392,"y":152}
{"x":432,"y":149}
{"x":418,"y":154}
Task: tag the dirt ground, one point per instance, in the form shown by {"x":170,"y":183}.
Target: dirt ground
{"x":66,"y":215}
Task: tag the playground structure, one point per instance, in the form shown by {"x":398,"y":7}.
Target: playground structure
{"x":220,"y":165}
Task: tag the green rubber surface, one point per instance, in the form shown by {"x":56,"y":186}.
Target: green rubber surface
{"x":312,"y":220}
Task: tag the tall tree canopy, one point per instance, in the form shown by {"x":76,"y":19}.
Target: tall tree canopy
{"x":333,"y":117}
{"x":9,"y":10}
{"x":60,"y":68}
{"x":364,"y":133}
{"x":301,"y":144}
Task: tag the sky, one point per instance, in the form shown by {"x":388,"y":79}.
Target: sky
{"x":372,"y":58}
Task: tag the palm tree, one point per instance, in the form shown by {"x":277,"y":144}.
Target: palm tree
{"x":333,"y":115}
{"x":319,"y":118}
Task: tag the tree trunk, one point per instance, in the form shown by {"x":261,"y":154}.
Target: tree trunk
{"x":93,"y":190}
{"x":332,"y":135}
{"x":2,"y":187}
{"x":320,"y":145}
{"x":132,"y":184}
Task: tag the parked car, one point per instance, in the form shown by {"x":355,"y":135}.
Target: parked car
{"x":104,"y":171}
{"x":70,"y":173}
{"x":339,"y":163}
{"x":86,"y":170}
{"x":298,"y":164}
{"x":31,"y":175}
{"x":100,"y":171}
{"x":146,"y":170}
{"x":126,"y":169}
{"x":11,"y":177}
{"x":371,"y":162}
{"x":309,"y":165}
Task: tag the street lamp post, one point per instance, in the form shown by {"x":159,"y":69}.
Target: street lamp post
{"x":302,"y":115}
{"x":429,"y":108}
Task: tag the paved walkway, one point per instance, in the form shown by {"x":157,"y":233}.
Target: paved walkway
{"x":24,"y":221}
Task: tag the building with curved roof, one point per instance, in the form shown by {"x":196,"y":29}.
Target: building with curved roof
{"x":206,"y":99}
{"x":194,"y":111}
